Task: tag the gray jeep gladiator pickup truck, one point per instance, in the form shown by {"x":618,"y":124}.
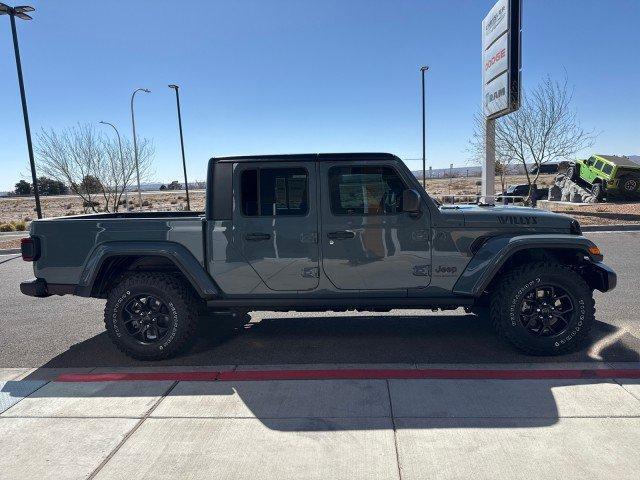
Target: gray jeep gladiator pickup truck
{"x":328,"y":232}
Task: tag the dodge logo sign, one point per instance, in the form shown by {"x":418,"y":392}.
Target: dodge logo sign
{"x":495,"y":59}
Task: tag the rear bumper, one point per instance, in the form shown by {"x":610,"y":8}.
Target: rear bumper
{"x":602,"y":277}
{"x":40,"y":288}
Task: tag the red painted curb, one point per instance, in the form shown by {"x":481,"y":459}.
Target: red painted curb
{"x":354,"y":374}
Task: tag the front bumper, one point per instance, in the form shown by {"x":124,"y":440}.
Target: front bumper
{"x":601,"y":276}
{"x":40,"y":288}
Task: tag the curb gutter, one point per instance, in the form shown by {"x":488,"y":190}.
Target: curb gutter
{"x":355,"y":374}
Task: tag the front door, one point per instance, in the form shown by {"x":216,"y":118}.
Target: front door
{"x":588,"y":172}
{"x":276,"y":222}
{"x":368,"y":242}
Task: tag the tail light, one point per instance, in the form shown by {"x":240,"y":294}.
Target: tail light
{"x":30,"y":249}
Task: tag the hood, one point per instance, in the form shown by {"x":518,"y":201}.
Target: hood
{"x":510,"y":217}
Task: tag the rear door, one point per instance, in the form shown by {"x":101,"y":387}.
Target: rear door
{"x":368,"y":242}
{"x":276,"y":222}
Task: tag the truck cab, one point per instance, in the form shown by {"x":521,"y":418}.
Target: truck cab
{"x":321,"y":232}
{"x":325,"y":223}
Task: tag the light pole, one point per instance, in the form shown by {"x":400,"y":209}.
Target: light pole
{"x":124,"y":175}
{"x":184,"y":163}
{"x":21,"y":12}
{"x":424,"y":155}
{"x":135,"y":142}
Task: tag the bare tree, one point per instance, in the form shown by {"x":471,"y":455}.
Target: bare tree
{"x":90,"y":164}
{"x":545,"y":128}
{"x":118,"y":176}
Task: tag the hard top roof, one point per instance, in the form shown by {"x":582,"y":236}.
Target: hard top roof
{"x":620,"y":161}
{"x":310,"y":157}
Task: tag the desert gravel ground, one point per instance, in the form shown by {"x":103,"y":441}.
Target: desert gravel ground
{"x":21,"y":209}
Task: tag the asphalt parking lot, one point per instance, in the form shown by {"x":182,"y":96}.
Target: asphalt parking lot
{"x":72,"y":406}
{"x":68,"y":331}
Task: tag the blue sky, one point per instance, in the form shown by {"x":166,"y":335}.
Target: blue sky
{"x":304,"y":76}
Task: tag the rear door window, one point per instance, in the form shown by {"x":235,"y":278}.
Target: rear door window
{"x":272,"y":192}
{"x":599,"y":164}
{"x":607,"y":168}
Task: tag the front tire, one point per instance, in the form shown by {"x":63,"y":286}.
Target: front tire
{"x":572,"y":172}
{"x":597,"y":190}
{"x":543,"y":308}
{"x":151,"y":316}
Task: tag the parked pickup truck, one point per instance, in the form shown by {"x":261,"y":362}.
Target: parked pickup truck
{"x":321,"y":232}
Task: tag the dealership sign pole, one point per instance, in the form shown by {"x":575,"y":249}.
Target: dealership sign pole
{"x":501,"y":67}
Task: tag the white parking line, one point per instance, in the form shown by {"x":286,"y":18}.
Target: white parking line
{"x":596,"y":349}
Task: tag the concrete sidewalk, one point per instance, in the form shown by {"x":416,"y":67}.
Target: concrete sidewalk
{"x":324,"y":429}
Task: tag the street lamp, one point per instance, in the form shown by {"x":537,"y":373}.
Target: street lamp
{"x":424,"y":155}
{"x":124,"y":175}
{"x":184,"y":163}
{"x":135,"y":142}
{"x":21,"y":12}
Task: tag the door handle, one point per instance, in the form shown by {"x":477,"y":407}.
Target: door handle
{"x":257,"y":237}
{"x":341,"y":235}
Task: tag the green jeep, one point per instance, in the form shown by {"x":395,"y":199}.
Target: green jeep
{"x":607,"y":175}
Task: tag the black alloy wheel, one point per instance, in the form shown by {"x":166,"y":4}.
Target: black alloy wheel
{"x":147,"y":319}
{"x":546,"y":311}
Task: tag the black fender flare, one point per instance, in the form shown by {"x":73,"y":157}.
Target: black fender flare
{"x":177,"y":253}
{"x":494,"y":252}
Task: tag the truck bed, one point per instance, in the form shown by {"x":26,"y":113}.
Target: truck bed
{"x":67,"y":243}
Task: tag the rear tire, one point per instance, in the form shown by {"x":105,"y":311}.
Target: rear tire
{"x":524,"y":313}
{"x":151,"y":316}
{"x":629,"y":185}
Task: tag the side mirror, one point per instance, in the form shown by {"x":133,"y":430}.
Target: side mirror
{"x":411,"y":202}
